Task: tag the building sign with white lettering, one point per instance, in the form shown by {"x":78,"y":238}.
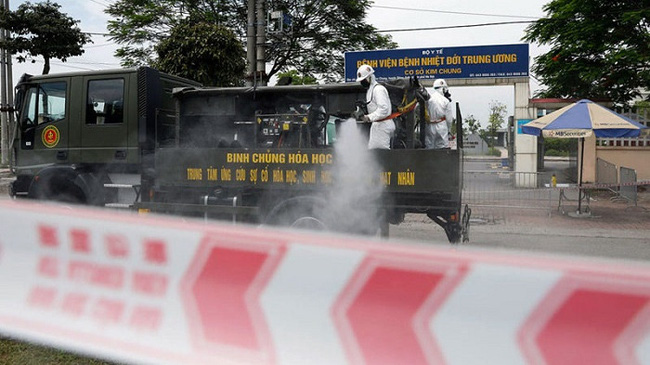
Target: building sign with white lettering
{"x":509,"y":60}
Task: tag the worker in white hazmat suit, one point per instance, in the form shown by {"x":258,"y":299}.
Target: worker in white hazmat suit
{"x":378,"y":107}
{"x":440,"y":116}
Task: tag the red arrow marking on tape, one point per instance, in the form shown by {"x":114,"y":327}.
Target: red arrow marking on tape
{"x":222,"y":290}
{"x":383,"y":313}
{"x":587,"y":322}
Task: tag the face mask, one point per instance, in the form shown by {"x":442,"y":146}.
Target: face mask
{"x":365,"y":83}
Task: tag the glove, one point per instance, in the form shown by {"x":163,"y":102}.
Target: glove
{"x":365,"y":119}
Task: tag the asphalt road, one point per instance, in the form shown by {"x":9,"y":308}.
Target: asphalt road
{"x":536,"y":237}
{"x":613,"y":231}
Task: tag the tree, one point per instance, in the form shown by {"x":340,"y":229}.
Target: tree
{"x":207,"y":53}
{"x":642,"y":104}
{"x":320,"y":30}
{"x":471,"y":125}
{"x":141,"y":24}
{"x":297,"y":79}
{"x":495,"y":120}
{"x":41,"y":29}
{"x":599,"y":49}
{"x":559,"y":146}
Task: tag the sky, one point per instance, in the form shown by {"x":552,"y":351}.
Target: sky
{"x":384,"y":15}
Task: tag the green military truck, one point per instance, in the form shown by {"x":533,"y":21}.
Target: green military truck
{"x":265,"y":155}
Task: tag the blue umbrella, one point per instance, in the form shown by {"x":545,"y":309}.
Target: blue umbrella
{"x":582,"y":119}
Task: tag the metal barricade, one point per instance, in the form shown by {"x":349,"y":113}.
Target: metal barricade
{"x":628,"y":185}
{"x":606,"y":172}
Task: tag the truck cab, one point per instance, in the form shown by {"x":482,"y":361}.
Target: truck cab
{"x":78,"y":133}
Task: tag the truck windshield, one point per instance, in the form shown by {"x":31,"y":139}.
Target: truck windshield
{"x":44,"y":103}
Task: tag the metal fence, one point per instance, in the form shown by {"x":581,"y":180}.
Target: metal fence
{"x":496,"y":196}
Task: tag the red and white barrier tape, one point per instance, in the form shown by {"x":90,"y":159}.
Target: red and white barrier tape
{"x":563,"y":186}
{"x":607,"y":186}
{"x":158,"y":290}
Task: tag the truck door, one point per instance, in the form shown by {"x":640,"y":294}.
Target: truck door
{"x":104,"y":127}
{"x":44,"y":125}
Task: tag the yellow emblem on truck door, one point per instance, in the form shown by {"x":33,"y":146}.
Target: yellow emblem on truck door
{"x":50,"y":136}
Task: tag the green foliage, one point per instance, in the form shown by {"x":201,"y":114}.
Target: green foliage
{"x":484,"y":135}
{"x":470,"y":125}
{"x":556,"y":153}
{"x":321,"y":30}
{"x":297,"y":79}
{"x":495,"y":121}
{"x":139,"y":25}
{"x":599,"y":49}
{"x":559,"y":144}
{"x":644,"y":104}
{"x":15,"y":352}
{"x":41,"y":29}
{"x":493,"y":152}
{"x":207,"y":53}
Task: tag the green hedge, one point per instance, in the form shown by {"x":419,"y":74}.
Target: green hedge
{"x":561,"y":145}
{"x":493,"y":152}
{"x":556,"y":153}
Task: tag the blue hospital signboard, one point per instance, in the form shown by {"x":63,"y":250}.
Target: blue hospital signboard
{"x":510,"y":60}
{"x":521,"y":122}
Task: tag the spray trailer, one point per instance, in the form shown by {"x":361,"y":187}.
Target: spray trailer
{"x":141,"y":139}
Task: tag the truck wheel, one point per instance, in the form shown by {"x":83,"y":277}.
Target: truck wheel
{"x":69,"y":195}
{"x":300,"y":213}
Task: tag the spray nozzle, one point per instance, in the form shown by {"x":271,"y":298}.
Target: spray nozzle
{"x":358,"y":114}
